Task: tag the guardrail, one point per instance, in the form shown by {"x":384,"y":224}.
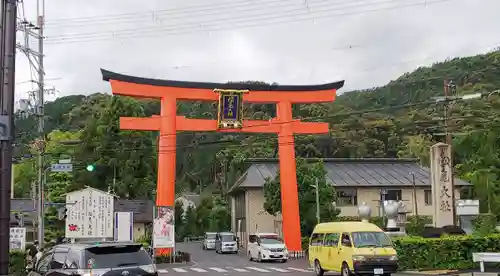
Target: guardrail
{"x":297,"y":254}
{"x":485,"y":257}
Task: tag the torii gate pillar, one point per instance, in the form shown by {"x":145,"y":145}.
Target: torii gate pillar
{"x":230,"y":120}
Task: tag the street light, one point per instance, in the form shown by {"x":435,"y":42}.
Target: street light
{"x":316,"y":186}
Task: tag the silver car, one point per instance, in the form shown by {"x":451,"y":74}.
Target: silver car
{"x":209,"y":240}
{"x":226,"y":242}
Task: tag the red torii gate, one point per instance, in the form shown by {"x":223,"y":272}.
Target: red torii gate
{"x":168,"y":123}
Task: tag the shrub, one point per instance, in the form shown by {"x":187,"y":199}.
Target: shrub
{"x":449,"y":252}
{"x":484,"y":224}
{"x":177,"y":257}
{"x":17,"y":263}
{"x":416,"y":224}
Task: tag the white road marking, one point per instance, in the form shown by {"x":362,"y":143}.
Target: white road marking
{"x":298,"y":269}
{"x":257,"y":269}
{"x":229,"y":269}
{"x":197,"y":269}
{"x":278,"y":269}
{"x":218,"y":269}
{"x":239,"y":269}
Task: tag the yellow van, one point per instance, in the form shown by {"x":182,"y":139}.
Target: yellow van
{"x":352,"y":248}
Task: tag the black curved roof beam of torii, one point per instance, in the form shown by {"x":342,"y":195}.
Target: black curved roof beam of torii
{"x":108,"y":75}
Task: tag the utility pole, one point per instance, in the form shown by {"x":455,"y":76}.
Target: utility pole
{"x":40,"y":113}
{"x":35,"y":57}
{"x":8,"y":62}
{"x":415,"y":204}
{"x":318,"y":214}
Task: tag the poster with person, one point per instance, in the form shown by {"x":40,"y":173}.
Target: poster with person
{"x":163,"y":227}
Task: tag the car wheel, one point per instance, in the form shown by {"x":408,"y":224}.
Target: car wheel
{"x":318,"y":269}
{"x":250,"y":256}
{"x":345,"y":270}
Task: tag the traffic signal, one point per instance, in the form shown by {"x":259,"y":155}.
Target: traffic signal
{"x":91,"y":167}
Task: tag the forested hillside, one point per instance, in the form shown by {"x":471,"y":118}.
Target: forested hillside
{"x":396,"y":120}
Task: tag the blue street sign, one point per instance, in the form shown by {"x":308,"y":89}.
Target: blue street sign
{"x":61,"y":167}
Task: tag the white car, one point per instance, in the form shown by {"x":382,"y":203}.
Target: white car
{"x":209,"y":241}
{"x":266,"y":247}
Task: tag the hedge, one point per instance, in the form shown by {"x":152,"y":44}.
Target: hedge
{"x":17,"y":263}
{"x":451,"y":252}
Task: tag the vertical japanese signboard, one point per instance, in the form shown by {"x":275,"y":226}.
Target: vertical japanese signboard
{"x":89,"y":214}
{"x":442,"y":190}
{"x":17,"y":239}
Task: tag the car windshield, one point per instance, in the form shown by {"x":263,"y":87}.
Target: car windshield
{"x":371,"y":239}
{"x":116,"y":256}
{"x":211,"y":236}
{"x":228,"y":238}
{"x":269,"y":240}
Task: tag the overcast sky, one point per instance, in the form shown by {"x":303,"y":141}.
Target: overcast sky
{"x":365,"y":42}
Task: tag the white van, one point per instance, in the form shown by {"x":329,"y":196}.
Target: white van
{"x":266,"y":247}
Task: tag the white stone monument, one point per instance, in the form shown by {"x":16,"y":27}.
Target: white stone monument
{"x":442,"y":190}
{"x":364,"y":212}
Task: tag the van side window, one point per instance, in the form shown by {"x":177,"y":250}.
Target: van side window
{"x":332,"y":239}
{"x":346,"y":240}
{"x":316,"y":240}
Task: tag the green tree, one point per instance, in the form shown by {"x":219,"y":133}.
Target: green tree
{"x":307,"y":175}
{"x":179,"y":220}
{"x":220,"y":216}
{"x":203,"y":211}
{"x":190,"y":220}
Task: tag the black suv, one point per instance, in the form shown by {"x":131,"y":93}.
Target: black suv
{"x":104,"y":259}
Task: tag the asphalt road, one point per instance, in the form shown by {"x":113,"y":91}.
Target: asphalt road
{"x":209,"y":263}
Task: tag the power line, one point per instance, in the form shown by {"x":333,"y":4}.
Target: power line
{"x":393,"y":123}
{"x":189,"y":9}
{"x":385,"y":108}
{"x":202,"y":26}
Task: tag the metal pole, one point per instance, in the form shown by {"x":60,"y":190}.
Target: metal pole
{"x":9,"y":14}
{"x":318,"y":217}
{"x":40,"y":113}
{"x":414,"y":194}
